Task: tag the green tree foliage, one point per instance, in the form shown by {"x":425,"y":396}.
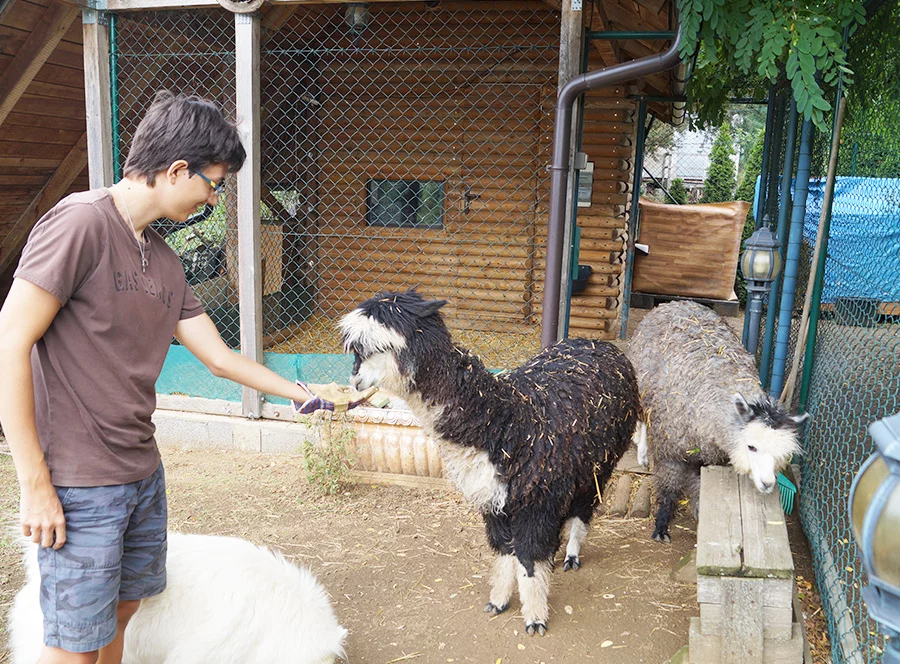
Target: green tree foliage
{"x":747,"y":188}
{"x":678,"y":191}
{"x":746,"y":191}
{"x":747,"y":120}
{"x":744,"y":44}
{"x":869,"y":145}
{"x":720,"y":178}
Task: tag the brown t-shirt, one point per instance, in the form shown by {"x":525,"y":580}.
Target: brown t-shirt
{"x":95,"y":368}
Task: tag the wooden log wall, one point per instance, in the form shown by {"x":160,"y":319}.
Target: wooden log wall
{"x":483,"y":127}
{"x":479,"y":122}
{"x":48,"y":119}
{"x":438,"y":111}
{"x":608,"y":141}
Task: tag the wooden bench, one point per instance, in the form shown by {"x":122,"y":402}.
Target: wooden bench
{"x":745,"y":576}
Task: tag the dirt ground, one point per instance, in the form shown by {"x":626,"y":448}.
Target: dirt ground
{"x":408,"y":569}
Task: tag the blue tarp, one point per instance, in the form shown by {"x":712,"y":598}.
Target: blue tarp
{"x":864,"y":242}
{"x":184,"y":374}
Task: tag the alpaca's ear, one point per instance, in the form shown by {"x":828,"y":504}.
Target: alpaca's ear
{"x":432,"y":307}
{"x":742,"y":407}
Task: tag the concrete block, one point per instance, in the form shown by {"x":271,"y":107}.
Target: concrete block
{"x":246,"y":436}
{"x":285,"y":437}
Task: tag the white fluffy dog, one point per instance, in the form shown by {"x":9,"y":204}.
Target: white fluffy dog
{"x":226,"y":601}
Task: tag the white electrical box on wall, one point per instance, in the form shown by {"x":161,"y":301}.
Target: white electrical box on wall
{"x":585,"y":184}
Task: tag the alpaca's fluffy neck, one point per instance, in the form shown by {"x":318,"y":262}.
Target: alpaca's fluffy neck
{"x":458,"y":402}
{"x":456,"y":399}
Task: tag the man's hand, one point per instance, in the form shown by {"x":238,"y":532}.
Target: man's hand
{"x":42,"y":516}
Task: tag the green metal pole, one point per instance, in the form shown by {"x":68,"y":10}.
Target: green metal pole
{"x":781,"y":232}
{"x":114,"y":96}
{"x":774,"y":153}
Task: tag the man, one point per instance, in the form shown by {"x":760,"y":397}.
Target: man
{"x":84,"y":331}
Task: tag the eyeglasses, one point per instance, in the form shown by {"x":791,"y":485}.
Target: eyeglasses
{"x":218,"y":188}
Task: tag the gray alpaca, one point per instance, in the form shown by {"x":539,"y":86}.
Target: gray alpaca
{"x":704,"y":406}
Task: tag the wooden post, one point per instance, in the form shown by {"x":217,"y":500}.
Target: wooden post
{"x":246,"y":34}
{"x":571,"y":43}
{"x":97,"y":106}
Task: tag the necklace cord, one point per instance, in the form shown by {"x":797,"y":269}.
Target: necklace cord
{"x":134,"y":230}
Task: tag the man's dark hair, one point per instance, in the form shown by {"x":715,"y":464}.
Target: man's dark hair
{"x":185,"y":127}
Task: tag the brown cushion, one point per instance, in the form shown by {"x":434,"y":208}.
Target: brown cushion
{"x":694,"y":249}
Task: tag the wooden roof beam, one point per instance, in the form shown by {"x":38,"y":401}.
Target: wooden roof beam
{"x":34,"y":53}
{"x":70,"y":168}
{"x":5,"y":7}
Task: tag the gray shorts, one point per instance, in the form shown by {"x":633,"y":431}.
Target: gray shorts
{"x":115,"y":550}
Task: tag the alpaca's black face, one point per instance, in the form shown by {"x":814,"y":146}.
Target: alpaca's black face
{"x":378,"y":334}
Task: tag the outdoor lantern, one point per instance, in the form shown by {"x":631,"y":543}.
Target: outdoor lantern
{"x":760,"y":264}
{"x":357,"y":16}
{"x":761,"y":261}
{"x":875,"y":517}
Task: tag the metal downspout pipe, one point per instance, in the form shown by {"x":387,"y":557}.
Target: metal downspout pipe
{"x":795,"y":237}
{"x":781,"y":234}
{"x":679,"y":84}
{"x":559,"y":168}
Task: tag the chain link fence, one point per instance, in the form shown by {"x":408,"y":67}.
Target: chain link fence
{"x":392,"y":159}
{"x":403,"y":147}
{"x":190,"y":52}
{"x":855,"y":378}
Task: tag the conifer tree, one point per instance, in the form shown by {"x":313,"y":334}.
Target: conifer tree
{"x":720,"y":177}
{"x":678,"y":191}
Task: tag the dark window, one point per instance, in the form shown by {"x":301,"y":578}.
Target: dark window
{"x":405,"y":203}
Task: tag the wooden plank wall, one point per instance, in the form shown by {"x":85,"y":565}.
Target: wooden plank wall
{"x":608,"y":140}
{"x":480,"y":127}
{"x":49,"y":118}
{"x":439,"y":113}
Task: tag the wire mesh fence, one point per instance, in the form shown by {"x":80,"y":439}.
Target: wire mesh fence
{"x":403,"y":147}
{"x":190,"y":52}
{"x":678,"y":159}
{"x":392,"y":160}
{"x":855,"y":379}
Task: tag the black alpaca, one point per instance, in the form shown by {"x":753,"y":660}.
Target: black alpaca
{"x":530,"y":447}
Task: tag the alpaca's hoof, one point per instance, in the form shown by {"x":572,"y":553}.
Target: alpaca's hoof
{"x":662,"y":536}
{"x":537,"y":627}
{"x":495,"y":610}
{"x":572,"y":562}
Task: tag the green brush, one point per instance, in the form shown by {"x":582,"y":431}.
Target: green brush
{"x":788,"y":490}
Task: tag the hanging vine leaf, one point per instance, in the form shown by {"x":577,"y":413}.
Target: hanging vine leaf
{"x":742,"y":45}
